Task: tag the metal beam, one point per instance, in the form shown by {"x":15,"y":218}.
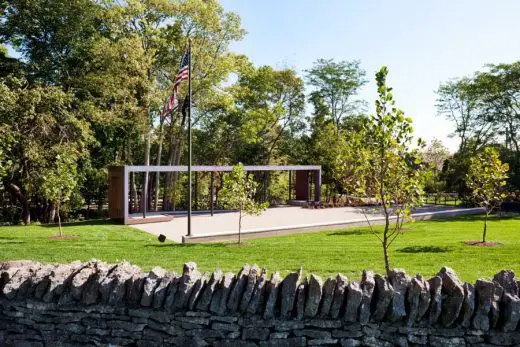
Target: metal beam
{"x":203,"y":168}
{"x":212,"y":193}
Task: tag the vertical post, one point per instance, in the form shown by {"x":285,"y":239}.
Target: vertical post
{"x":211,"y":189}
{"x":146,"y":163}
{"x":189,"y":138}
{"x":290,"y":184}
{"x":264,"y":182}
{"x":144,"y":196}
{"x":309,"y":185}
{"x":125,"y":195}
{"x":196,"y":203}
{"x":317,"y":185}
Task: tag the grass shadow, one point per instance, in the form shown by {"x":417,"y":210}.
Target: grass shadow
{"x":474,"y":218}
{"x":91,"y":222}
{"x":352,"y":232}
{"x":424,"y":249}
{"x":188,"y":245}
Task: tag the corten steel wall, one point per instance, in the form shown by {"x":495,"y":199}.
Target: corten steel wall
{"x":302,"y":185}
{"x":116,"y":203}
{"x":99,"y":304}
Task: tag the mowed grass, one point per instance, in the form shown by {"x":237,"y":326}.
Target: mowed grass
{"x":424,"y":248}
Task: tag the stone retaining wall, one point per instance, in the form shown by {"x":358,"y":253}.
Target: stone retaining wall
{"x":100,"y":304}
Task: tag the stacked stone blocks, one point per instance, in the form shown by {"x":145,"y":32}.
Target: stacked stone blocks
{"x":96,"y":303}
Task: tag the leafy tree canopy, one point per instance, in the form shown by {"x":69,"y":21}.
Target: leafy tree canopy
{"x":335,"y":85}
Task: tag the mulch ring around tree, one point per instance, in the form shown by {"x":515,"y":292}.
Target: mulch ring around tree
{"x":483,"y":244}
{"x":63,"y":237}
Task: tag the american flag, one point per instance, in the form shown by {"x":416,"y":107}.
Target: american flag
{"x":182,"y":75}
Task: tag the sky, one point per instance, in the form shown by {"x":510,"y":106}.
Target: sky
{"x":423,"y":43}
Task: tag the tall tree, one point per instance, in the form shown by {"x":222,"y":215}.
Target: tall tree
{"x":499,"y":89}
{"x":459,"y":103}
{"x":53,"y":37}
{"x":336,"y":84}
{"x":37,"y":125}
{"x":211,"y":30}
{"x":119,"y":60}
{"x":435,"y":154}
{"x":270,"y":103}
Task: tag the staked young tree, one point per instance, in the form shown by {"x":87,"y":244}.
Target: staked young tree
{"x":487,"y":180}
{"x":60,"y":180}
{"x":238,"y":193}
{"x":393,"y":172}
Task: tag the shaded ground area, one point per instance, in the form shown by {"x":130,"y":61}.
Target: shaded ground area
{"x":278,"y":218}
{"x":424,"y":248}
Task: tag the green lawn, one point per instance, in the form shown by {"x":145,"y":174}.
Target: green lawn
{"x":424,"y":248}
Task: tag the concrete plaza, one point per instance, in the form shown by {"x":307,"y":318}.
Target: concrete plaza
{"x":280,"y":221}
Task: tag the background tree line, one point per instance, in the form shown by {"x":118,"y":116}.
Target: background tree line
{"x":88,"y":86}
{"x":485,"y":111}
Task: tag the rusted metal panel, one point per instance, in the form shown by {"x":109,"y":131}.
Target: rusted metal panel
{"x":302,"y":185}
{"x":116,"y":201}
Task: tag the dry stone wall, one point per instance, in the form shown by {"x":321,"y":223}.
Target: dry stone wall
{"x":97,"y":304}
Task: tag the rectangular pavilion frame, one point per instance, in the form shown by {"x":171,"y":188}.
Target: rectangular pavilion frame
{"x":118,"y":182}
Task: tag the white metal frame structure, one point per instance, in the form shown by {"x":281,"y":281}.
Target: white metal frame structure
{"x":184,"y":168}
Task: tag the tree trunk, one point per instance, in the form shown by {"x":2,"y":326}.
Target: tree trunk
{"x":219,"y":188}
{"x":264,"y":187}
{"x":88,"y":202}
{"x":239,"y":224}
{"x":171,"y":178}
{"x":168,"y":180}
{"x":100,"y":205}
{"x":59,"y":219}
{"x":52,"y":212}
{"x":196,"y":192}
{"x":26,"y":212}
{"x":18,"y":194}
{"x":176,"y":161}
{"x":485,"y":228}
{"x":133,"y":193}
{"x":150,"y":191}
{"x":385,"y":244}
{"x":158,"y":163}
{"x":212,"y":192}
{"x":144,"y":187}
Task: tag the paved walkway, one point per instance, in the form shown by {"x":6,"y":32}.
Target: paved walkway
{"x":285,"y":218}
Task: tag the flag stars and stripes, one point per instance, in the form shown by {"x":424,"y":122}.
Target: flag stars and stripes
{"x":182,"y":75}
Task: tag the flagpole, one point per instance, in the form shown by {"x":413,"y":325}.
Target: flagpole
{"x":189,"y":139}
